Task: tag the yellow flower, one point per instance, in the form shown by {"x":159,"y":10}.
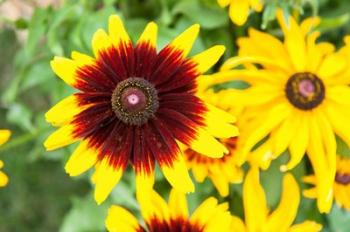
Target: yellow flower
{"x":133,"y":105}
{"x":341,"y":186}
{"x":172,"y":217}
{"x":240,"y":9}
{"x":258,"y":217}
{"x":221,"y":171}
{"x":4,"y":136}
{"x":298,"y":99}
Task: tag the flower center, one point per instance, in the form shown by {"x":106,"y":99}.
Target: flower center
{"x":305,"y":90}
{"x":342,"y":178}
{"x":134,"y":101}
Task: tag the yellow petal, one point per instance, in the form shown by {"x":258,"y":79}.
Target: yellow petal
{"x":100,"y":42}
{"x":282,"y":218}
{"x":117,"y":31}
{"x":3,"y":179}
{"x":332,"y":65}
{"x":308,"y":226}
{"x":119,"y":219}
{"x":65,"y":69}
{"x":257,"y":5}
{"x":185,"y":40}
{"x":298,"y":144}
{"x":294,"y":41}
{"x":178,"y":204}
{"x":339,"y":94}
{"x":239,"y":11}
{"x":237,"y":225}
{"x":203,"y":213}
{"x":309,"y":24}
{"x":82,"y":59}
{"x":154,"y":207}
{"x":64,"y":111}
{"x":254,"y":201}
{"x":221,"y":184}
{"x":177,"y":175}
{"x":220,"y":221}
{"x":106,"y":177}
{"x":82,"y":159}
{"x":206,"y":144}
{"x":205,"y":60}
{"x":4,"y":136}
{"x":149,"y":35}
{"x":224,"y":3}
{"x":60,"y":138}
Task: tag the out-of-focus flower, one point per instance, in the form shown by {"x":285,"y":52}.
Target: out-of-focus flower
{"x":4,"y":136}
{"x":341,"y":187}
{"x":134,"y":105}
{"x":298,"y":98}
{"x":172,"y":217}
{"x":259,"y":218}
{"x":239,"y":10}
{"x":221,"y":171}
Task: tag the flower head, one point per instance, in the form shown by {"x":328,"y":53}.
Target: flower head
{"x":133,"y":106}
{"x":341,"y":186}
{"x":297,"y":100}
{"x":172,"y":217}
{"x":239,"y":9}
{"x":4,"y":136}
{"x":257,"y":215}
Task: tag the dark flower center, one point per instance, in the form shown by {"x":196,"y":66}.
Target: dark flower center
{"x":342,"y":178}
{"x":134,"y":101}
{"x":305,"y":90}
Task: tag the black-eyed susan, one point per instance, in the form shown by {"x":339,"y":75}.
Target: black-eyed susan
{"x":341,"y":186}
{"x":259,"y":218}
{"x":239,"y":10}
{"x":4,"y":136}
{"x":221,"y":171}
{"x":172,"y":217}
{"x":298,"y":98}
{"x":133,"y":105}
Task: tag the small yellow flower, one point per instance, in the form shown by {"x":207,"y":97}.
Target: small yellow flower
{"x":258,"y":218}
{"x":4,"y":136}
{"x":239,"y":9}
{"x":298,"y":98}
{"x":172,"y":217}
{"x":341,"y":186}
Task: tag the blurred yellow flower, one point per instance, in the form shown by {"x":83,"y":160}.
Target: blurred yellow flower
{"x":4,"y":136}
{"x":172,"y":217}
{"x":298,"y":99}
{"x":258,"y":218}
{"x":341,"y":187}
{"x":239,"y":9}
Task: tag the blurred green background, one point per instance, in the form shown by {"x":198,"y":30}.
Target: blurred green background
{"x":40,"y":196}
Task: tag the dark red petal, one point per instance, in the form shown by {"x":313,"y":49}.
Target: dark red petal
{"x":145,"y":55}
{"x":175,"y":225}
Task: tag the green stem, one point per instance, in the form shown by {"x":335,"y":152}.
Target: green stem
{"x":23,"y":139}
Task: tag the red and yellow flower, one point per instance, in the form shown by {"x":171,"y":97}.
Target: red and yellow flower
{"x":134,"y":105}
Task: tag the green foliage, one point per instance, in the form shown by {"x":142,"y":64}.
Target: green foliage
{"x":40,"y":196}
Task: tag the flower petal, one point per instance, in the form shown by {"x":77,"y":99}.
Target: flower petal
{"x":60,"y":138}
{"x":205,"y":60}
{"x":119,"y":219}
{"x":4,"y":136}
{"x":185,"y":40}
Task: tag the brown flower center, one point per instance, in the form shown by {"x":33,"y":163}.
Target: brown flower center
{"x":305,"y":90}
{"x":134,"y":101}
{"x":342,"y":178}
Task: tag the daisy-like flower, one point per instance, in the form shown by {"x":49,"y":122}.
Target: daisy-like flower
{"x":258,"y":218}
{"x":172,"y":217}
{"x":298,"y":98}
{"x":221,"y":171}
{"x":239,"y":10}
{"x":4,"y":136}
{"x":341,"y":186}
{"x":134,"y":104}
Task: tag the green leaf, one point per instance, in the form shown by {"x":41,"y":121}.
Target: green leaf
{"x":342,"y":148}
{"x":339,"y":219}
{"x":37,"y":28}
{"x":20,"y":115}
{"x":207,"y":17}
{"x":85,"y":216}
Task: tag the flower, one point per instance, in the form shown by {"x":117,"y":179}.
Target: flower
{"x":341,"y":186}
{"x":257,"y":215}
{"x":4,"y":136}
{"x":298,"y":98}
{"x":133,"y":105}
{"x":239,"y":9}
{"x":172,"y":217}
{"x":221,"y":171}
